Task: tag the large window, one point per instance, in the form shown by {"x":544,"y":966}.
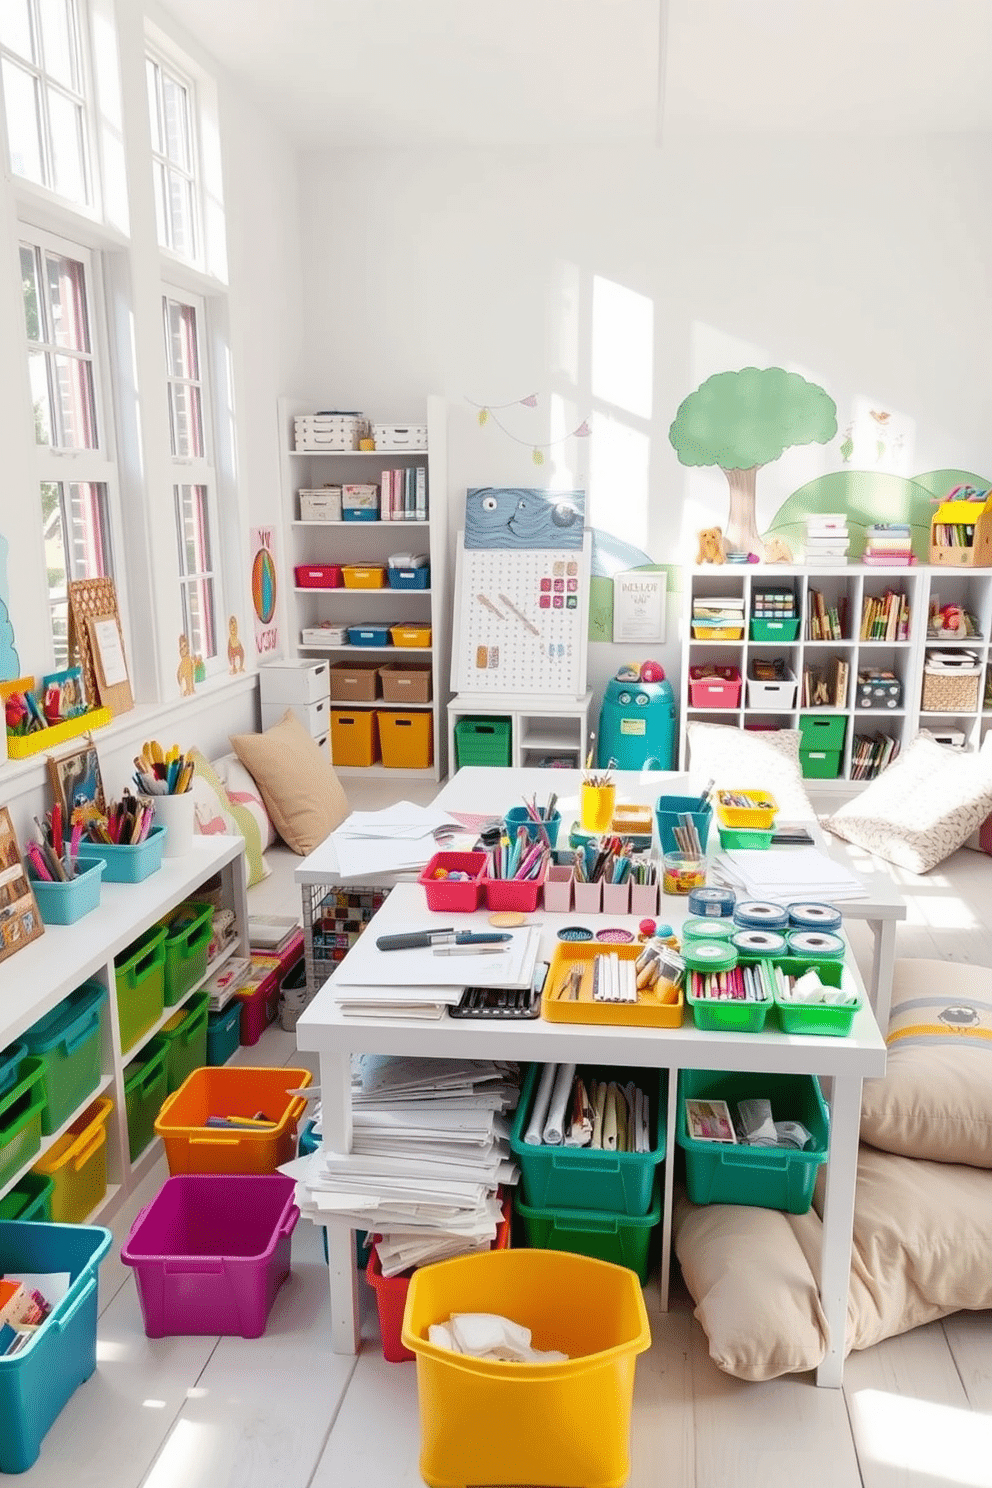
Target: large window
{"x":174,"y":158}
{"x":45,"y":95}
{"x":64,"y":368}
{"x":194,"y":487}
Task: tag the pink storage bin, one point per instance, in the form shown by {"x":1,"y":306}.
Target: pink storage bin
{"x":211,"y":1251}
{"x":515,"y":893}
{"x":464,"y":895}
{"x":720,"y":689}
{"x":558,"y":889}
{"x":616,"y":898}
{"x":318,"y":576}
{"x":588,"y":896}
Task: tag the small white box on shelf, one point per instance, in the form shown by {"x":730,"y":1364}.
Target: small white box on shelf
{"x":323,"y":505}
{"x":298,"y":680}
{"x":776,"y":696}
{"x":324,"y":635}
{"x":400,"y":436}
{"x":337,"y":432}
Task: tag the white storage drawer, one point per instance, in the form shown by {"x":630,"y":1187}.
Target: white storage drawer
{"x":775,"y":697}
{"x":315,"y":717}
{"x":400,"y":436}
{"x":294,"y":681}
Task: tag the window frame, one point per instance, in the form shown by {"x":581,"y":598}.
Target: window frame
{"x":169,"y":67}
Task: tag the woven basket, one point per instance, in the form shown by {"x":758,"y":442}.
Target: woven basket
{"x":950,"y":692}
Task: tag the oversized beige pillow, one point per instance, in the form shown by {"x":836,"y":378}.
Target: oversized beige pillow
{"x":923,"y":807}
{"x":766,"y":759}
{"x":301,"y":791}
{"x":935,"y":1098}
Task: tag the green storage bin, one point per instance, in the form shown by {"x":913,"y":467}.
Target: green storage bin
{"x":29,"y":1199}
{"x":762,"y":1177}
{"x":139,"y":974}
{"x":145,"y":1089}
{"x":579,"y":1177}
{"x":820,"y":764}
{"x":186,"y":1036}
{"x":68,"y":1041}
{"x":819,"y":731}
{"x":483,"y":741}
{"x":775,"y":630}
{"x":20,"y":1118}
{"x":749,"y":837}
{"x":728,"y":1017}
{"x":622,"y":1239}
{"x":812,"y":1018}
{"x":187,"y":941}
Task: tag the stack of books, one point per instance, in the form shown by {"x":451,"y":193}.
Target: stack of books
{"x":825,"y":621}
{"x":885,"y":618}
{"x":716,"y":615}
{"x":826,"y":540}
{"x":888,"y":544}
{"x":870,"y":753}
{"x":826,"y":688}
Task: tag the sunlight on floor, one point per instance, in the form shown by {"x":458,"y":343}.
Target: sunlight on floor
{"x":111,"y":1353}
{"x":942,"y":1443}
{"x":185,"y":1456}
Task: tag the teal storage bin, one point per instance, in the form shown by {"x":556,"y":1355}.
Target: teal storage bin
{"x":127,"y":864}
{"x":770,"y":631}
{"x":139,"y":974}
{"x":65,"y":903}
{"x":186,"y":1035}
{"x":579,"y":1177}
{"x":29,"y":1199}
{"x":10,"y":1066}
{"x":668,"y":811}
{"x":20,"y":1119}
{"x":622,"y":1239}
{"x":68,"y":1041}
{"x":762,"y":1177}
{"x":188,"y":930}
{"x":482,"y":741}
{"x":223,"y":1033}
{"x":145,"y":1088}
{"x":38,"y":1381}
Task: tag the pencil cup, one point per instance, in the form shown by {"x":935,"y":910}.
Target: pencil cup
{"x":616,"y":898}
{"x":643,"y":899}
{"x":668,"y":810}
{"x":683,"y":873}
{"x":519,"y":816}
{"x":558,"y":890}
{"x":176,"y":814}
{"x":596,"y":805}
{"x":588,"y":897}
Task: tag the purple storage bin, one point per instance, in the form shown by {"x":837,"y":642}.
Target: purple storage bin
{"x":210,"y":1252}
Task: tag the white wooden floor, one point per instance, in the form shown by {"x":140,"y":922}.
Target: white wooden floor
{"x":283,"y":1411}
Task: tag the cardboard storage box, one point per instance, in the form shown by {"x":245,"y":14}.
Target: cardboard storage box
{"x":354,"y":682}
{"x":406,"y":684}
{"x":323,"y":505}
{"x":360,"y":502}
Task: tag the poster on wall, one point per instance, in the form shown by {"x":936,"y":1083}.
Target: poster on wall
{"x":264,"y":589}
{"x":639,"y":597}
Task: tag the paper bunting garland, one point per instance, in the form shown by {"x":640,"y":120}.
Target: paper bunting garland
{"x":487,"y":412}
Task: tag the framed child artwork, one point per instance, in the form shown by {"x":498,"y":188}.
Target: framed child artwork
{"x":20,"y":921}
{"x":76,"y":780}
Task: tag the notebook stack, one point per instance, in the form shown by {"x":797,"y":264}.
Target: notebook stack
{"x":718,"y":617}
{"x":888,"y":545}
{"x":827,"y":539}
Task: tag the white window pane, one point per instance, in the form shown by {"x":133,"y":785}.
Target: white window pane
{"x":186,"y":413}
{"x":151,"y":74}
{"x":181,"y":215}
{"x":15,"y":28}
{"x":40,"y":397}
{"x":75,"y":406}
{"x":58,"y":42}
{"x":67,"y":302}
{"x":23,"y":128}
{"x":184,"y":360}
{"x":32,"y":298}
{"x":89,"y":531}
{"x":175,"y":103}
{"x":161,"y":212}
{"x":65,"y":120}
{"x":198,"y":615}
{"x":193,"y":529}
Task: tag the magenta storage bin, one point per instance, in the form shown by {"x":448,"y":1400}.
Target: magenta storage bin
{"x":515,"y":893}
{"x":210,"y":1252}
{"x":461,"y":895}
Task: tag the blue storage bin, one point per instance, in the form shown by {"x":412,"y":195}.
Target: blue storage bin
{"x":68,"y":1040}
{"x":37,"y":1382}
{"x":359,"y":514}
{"x":65,"y":903}
{"x":224,"y":1032}
{"x":368,"y":635}
{"x":127,"y":863}
{"x":409,"y":578}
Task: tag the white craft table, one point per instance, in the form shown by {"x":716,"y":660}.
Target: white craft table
{"x":322,"y":1029}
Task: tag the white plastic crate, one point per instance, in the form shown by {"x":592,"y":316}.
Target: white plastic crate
{"x":774,"y":697}
{"x":324,"y":635}
{"x":329,"y":432}
{"x":400,"y":436}
{"x":323,"y":505}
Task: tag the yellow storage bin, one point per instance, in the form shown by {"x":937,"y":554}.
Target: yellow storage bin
{"x":406,"y":740}
{"x":77,"y":1165}
{"x":410,"y":635}
{"x":561,"y":1423}
{"x":359,"y":577}
{"x":354,"y":736}
{"x":746,"y":808}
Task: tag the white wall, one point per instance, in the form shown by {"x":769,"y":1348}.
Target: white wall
{"x":474,"y":274}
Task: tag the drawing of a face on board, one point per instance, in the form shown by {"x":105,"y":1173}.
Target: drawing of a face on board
{"x":522,"y":517}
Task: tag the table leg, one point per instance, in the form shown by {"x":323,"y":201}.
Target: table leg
{"x":838,"y":1223}
{"x":335,"y":1100}
{"x":883,"y":967}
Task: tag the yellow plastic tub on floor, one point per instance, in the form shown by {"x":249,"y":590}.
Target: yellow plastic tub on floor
{"x":488,"y":1421}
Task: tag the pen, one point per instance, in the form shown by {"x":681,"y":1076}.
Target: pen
{"x":468,"y":950}
{"x":416,"y":938}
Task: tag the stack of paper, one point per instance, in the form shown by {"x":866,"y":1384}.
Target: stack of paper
{"x":389,"y":841}
{"x":430,"y":1148}
{"x":421,"y":983}
{"x":827,"y":538}
{"x":790,"y":874}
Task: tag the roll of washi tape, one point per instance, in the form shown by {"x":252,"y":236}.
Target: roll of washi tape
{"x":810,"y":943}
{"x":703,"y":929}
{"x":709,"y":955}
{"x":814,"y":917}
{"x":716,"y":902}
{"x":760,"y":914}
{"x":759,"y":943}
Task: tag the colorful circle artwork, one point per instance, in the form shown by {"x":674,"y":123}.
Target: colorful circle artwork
{"x":263,"y":585}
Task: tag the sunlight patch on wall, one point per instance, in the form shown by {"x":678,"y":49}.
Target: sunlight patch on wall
{"x":622,"y":358}
{"x":619,"y":459}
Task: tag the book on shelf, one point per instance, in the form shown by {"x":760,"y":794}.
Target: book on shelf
{"x":885,"y":618}
{"x":837,"y":675}
{"x":870,"y":753}
{"x":825,"y":687}
{"x":887,"y":560}
{"x":827,"y":522}
{"x":826,"y":622}
{"x":271,"y":932}
{"x":890,"y":543}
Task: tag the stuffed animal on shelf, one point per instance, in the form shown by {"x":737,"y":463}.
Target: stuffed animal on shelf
{"x":184,"y":672}
{"x":711,"y":546}
{"x":777,"y":550}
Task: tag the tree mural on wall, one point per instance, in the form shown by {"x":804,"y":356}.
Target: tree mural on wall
{"x":743,"y":420}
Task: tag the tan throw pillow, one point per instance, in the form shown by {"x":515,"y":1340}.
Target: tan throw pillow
{"x":923,"y":807}
{"x":302,"y":794}
{"x":766,"y":759}
{"x":935,"y":1099}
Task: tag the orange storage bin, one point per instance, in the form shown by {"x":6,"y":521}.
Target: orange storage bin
{"x":410,"y":635}
{"x":228,"y":1096}
{"x":407,"y":740}
{"x":357,"y":576}
{"x":354,"y":736}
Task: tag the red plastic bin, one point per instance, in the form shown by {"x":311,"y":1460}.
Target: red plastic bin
{"x":390,"y":1293}
{"x":318,"y":576}
{"x":211,"y":1251}
{"x":515,"y":893}
{"x":260,"y":1006}
{"x":716,"y":687}
{"x":462,"y":895}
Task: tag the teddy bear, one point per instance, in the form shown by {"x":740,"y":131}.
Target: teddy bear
{"x":777,"y":550}
{"x":710,"y":545}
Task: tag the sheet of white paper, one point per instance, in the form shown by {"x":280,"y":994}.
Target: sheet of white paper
{"x":366,"y":966}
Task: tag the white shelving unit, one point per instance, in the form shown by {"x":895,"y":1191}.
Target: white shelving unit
{"x":846,"y":588}
{"x":540,"y":728}
{"x":39,"y":977}
{"x":372,"y":543}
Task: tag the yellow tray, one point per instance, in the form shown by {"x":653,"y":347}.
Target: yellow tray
{"x":647,"y":1012}
{"x":759,"y":815}
{"x":717,"y":632}
{"x":19,"y":746}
